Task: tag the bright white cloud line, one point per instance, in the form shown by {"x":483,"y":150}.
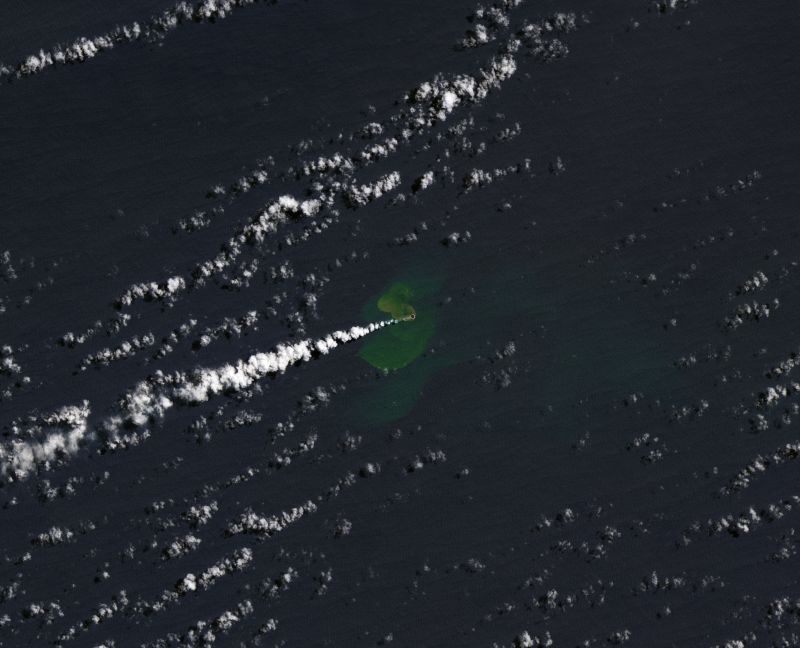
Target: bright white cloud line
{"x":55,"y":437}
{"x":156,"y":27}
{"x":205,"y":383}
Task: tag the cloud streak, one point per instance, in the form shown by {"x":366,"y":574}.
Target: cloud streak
{"x":47,"y":440}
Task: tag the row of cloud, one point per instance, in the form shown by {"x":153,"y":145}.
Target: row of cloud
{"x":40,"y":442}
{"x":154,"y":28}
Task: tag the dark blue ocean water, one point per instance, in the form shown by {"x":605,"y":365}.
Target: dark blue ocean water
{"x":588,"y":451}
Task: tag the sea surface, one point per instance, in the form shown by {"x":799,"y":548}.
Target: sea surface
{"x":219,"y":423}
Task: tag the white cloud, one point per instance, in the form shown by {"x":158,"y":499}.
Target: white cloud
{"x":44,"y":440}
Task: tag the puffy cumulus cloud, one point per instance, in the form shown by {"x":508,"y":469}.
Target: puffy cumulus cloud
{"x":7,"y":272}
{"x":422,"y":107}
{"x":198,"y":516}
{"x":204,"y":634}
{"x":433,"y":101}
{"x":84,"y":49}
{"x":41,"y":441}
{"x":180,"y":546}
{"x":102,"y":613}
{"x":152,"y":291}
{"x":8,"y":365}
{"x":142,"y":404}
{"x":487,"y":23}
{"x":276,"y":212}
{"x":204,"y":383}
{"x":231,"y":327}
{"x":477,"y":178}
{"x":336,"y":163}
{"x":250,"y":522}
{"x":113,"y":326}
{"x":358,"y":196}
{"x":423,"y":182}
{"x":190,"y":582}
{"x":237,"y":561}
{"x":150,"y":399}
{"x":375,"y":152}
{"x":127,"y":349}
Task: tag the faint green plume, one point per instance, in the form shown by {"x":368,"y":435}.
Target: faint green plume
{"x":398,"y":346}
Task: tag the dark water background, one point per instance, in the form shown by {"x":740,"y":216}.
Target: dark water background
{"x":645,"y":128}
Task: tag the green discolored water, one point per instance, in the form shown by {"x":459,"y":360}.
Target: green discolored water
{"x":395,"y":394}
{"x":398,"y":346}
{"x":396,"y":300}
